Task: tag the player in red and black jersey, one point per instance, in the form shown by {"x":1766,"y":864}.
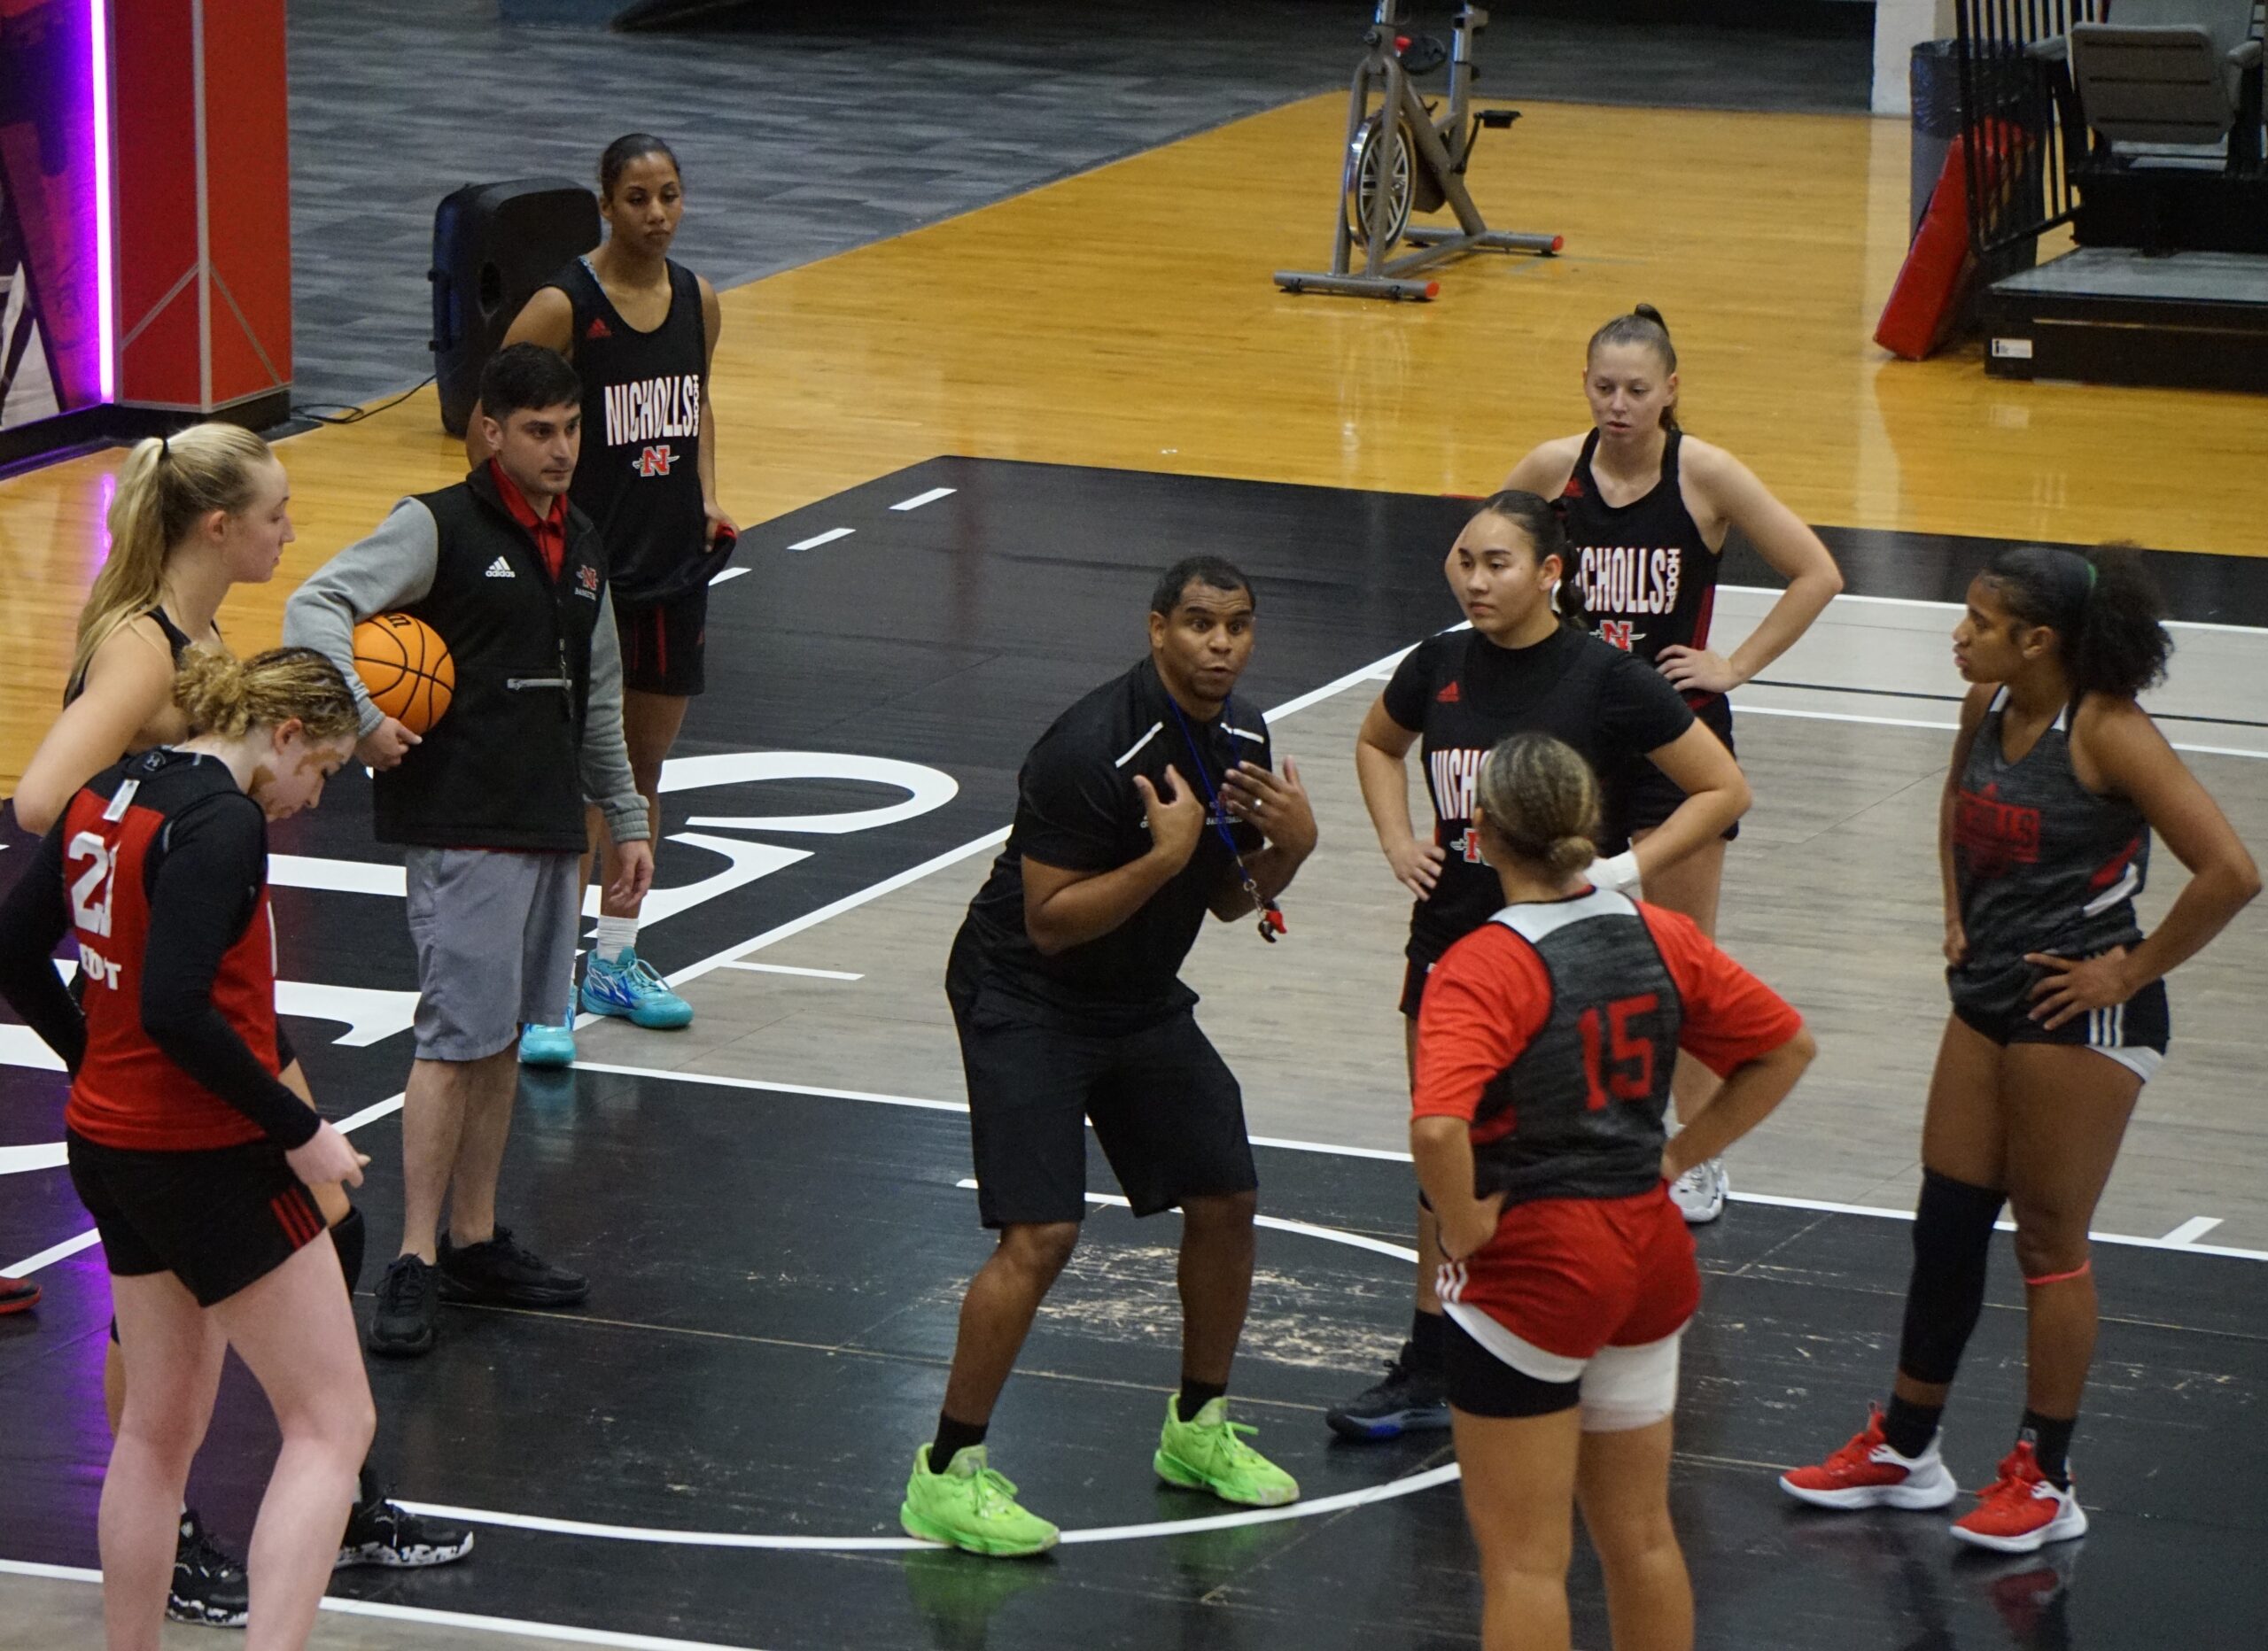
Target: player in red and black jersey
{"x":1544,"y":1051}
{"x":1648,"y":509}
{"x":1519,"y":667}
{"x":193,"y":1158}
{"x":2058,"y":780}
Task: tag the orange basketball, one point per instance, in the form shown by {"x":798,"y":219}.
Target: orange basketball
{"x":407,"y":668}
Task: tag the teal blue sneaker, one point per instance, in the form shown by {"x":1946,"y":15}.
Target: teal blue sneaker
{"x":546,"y":1046}
{"x":629,"y":988}
{"x":1204,"y":1453}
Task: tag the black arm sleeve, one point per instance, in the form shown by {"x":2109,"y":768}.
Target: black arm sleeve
{"x":201,"y":899}
{"x":32,"y":920}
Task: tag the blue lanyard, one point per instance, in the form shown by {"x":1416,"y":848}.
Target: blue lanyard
{"x":1271,"y":915}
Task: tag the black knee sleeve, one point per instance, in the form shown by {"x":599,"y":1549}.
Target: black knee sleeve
{"x":1953,"y":1243}
{"x":349,"y":1237}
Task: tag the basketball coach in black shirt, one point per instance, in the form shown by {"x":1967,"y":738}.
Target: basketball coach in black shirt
{"x":1149,"y":803}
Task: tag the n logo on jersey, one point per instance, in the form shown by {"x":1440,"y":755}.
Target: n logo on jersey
{"x":1621,"y":632}
{"x":656,"y":461}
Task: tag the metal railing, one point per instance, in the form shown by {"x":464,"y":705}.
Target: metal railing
{"x":2020,"y":125}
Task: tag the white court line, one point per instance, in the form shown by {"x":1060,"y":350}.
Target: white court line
{"x":1274,"y":1223}
{"x":729,"y":573}
{"x":1746,"y":708}
{"x":2191,"y":1230}
{"x":1392,"y":1490}
{"x":1771,"y":593}
{"x":790,"y":968}
{"x":828,"y":537}
{"x":1824,"y":1206}
{"x":439,"y":1619}
{"x":1387,"y":1492}
{"x":918,"y":500}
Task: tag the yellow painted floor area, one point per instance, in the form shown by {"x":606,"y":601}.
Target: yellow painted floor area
{"x":1126,"y":318}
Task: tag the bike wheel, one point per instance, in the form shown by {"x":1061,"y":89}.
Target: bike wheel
{"x":1380,"y":160}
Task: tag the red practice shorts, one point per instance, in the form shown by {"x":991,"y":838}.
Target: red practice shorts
{"x":1569,"y":1276}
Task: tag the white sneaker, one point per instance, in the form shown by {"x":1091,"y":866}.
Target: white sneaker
{"x":1699,"y":1193}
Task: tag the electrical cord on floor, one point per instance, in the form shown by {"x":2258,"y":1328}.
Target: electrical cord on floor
{"x":354,"y":415}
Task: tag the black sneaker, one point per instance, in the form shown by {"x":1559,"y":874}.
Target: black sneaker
{"x":402,"y":1325}
{"x":209,"y":1587}
{"x":1408,"y":1401}
{"x":505,"y":1273}
{"x":378,"y":1532}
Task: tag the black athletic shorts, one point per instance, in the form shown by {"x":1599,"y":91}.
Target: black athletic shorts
{"x":1164,"y":1105}
{"x":663,"y":643}
{"x":217,"y":1219}
{"x":2134,"y":1033}
{"x":1642,"y":796}
{"x":1413,"y":984}
{"x":1481,"y":1385}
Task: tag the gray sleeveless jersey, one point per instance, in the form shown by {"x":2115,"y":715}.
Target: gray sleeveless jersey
{"x":2040,"y":864}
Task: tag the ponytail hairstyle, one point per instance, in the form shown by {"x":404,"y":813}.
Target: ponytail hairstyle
{"x":2108,"y":616}
{"x":1644,"y":327}
{"x":229,"y":697}
{"x":167,"y":484}
{"x":1546,"y":535}
{"x":629,"y":147}
{"x":1542,"y":800}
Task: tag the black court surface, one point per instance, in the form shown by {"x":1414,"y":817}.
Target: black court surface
{"x":710,"y":1453}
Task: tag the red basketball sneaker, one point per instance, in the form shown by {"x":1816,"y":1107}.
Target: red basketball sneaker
{"x":2020,"y":1511}
{"x":1867,"y":1473}
{"x":16,"y":1294}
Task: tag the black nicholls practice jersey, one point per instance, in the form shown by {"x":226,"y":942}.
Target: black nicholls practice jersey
{"x":640,"y":475}
{"x":1461,"y":693}
{"x":1648,"y":578}
{"x":2040,"y":864}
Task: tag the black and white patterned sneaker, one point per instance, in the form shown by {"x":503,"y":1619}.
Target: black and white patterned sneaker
{"x":209,"y":1587}
{"x":380,"y":1532}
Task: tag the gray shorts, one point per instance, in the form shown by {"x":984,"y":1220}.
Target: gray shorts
{"x":495,"y":935}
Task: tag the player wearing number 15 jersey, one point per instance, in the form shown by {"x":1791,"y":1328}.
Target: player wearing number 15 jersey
{"x":1544,"y":1053}
{"x":1521,"y":668}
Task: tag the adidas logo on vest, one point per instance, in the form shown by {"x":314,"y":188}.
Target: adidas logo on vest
{"x":500,"y":569}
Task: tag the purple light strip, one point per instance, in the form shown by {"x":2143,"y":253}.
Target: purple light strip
{"x":98,"y":98}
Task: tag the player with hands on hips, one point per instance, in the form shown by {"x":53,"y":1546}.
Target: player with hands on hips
{"x":2059,"y":779}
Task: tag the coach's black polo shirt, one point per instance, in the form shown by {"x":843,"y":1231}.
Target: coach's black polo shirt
{"x":1077,"y":809}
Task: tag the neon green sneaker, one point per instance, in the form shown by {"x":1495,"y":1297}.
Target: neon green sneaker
{"x":1205,"y":1455}
{"x":970,"y":1507}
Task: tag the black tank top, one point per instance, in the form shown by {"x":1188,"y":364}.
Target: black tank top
{"x":640,"y":477}
{"x":1648,"y":577}
{"x":176,"y":639}
{"x":2040,"y":864}
{"x":1463,"y":693}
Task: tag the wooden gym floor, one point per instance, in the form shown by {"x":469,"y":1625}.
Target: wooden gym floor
{"x":1123,"y":321}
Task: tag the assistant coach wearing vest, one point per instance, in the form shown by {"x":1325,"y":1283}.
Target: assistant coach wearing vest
{"x":489,"y":807}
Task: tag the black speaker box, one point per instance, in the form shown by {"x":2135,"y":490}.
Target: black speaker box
{"x":493,"y":245}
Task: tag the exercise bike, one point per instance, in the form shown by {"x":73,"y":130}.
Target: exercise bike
{"x":1401,"y":159}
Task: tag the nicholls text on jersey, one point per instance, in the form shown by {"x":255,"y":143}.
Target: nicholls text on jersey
{"x":653,"y":409}
{"x":1629,"y":579}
